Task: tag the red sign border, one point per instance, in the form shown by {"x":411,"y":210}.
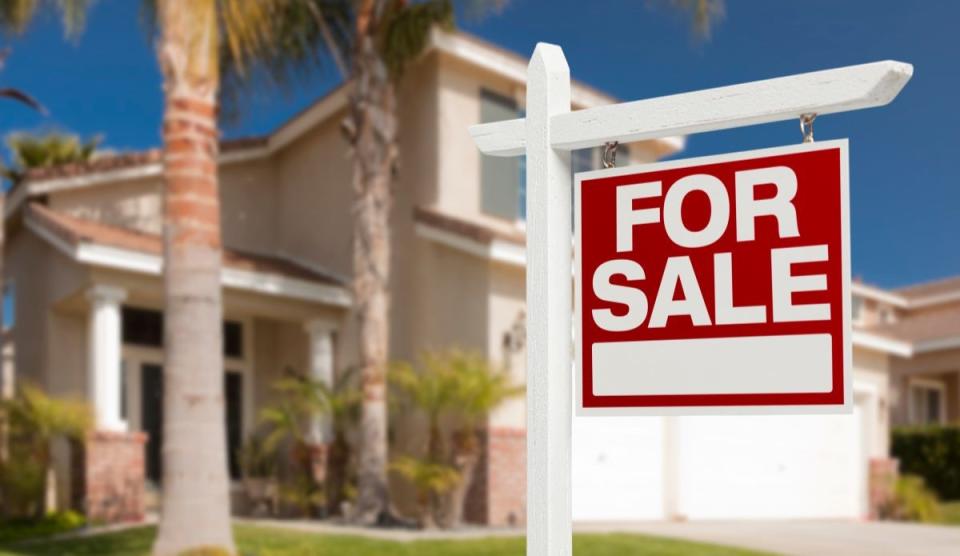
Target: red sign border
{"x":839,"y":400}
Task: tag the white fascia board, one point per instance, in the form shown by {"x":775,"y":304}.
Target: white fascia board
{"x":867,"y":340}
{"x":877,"y":294}
{"x":930,"y":300}
{"x":498,"y":250}
{"x":283,"y":286}
{"x":144,"y":263}
{"x":936,"y":345}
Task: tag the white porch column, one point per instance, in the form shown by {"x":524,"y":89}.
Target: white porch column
{"x":103,"y":356}
{"x":320,"y":334}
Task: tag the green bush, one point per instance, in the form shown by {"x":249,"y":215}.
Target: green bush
{"x":912,"y":501}
{"x":931,"y":452}
{"x":14,"y":530}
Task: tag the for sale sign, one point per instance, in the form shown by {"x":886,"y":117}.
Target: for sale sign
{"x":715,"y":285}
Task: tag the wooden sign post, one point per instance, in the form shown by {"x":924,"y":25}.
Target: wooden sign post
{"x":547,"y":135}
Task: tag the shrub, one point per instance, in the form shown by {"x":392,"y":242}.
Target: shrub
{"x":931,"y":452}
{"x":912,"y":501}
{"x":15,"y":530}
{"x":33,"y":420}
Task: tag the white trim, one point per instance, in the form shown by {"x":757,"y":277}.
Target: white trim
{"x":497,"y":250}
{"x":867,"y":340}
{"x":938,"y":299}
{"x":939,"y":344}
{"x":321,"y":110}
{"x":145,"y":263}
{"x":876,"y":294}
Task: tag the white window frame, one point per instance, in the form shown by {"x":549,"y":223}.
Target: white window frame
{"x":926,"y":384}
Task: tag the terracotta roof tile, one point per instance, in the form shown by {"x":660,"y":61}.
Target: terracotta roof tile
{"x":937,"y":287}
{"x":476,"y":231}
{"x":930,"y":324}
{"x":80,"y":230}
{"x":108,"y":162}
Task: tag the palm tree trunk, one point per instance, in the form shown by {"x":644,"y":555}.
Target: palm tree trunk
{"x":466,"y":455}
{"x":195,"y":504}
{"x":371,"y":129}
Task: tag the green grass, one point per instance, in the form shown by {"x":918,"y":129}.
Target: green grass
{"x":261,"y":541}
{"x":950,"y":512}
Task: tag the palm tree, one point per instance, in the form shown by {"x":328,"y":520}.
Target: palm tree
{"x":29,"y":151}
{"x":371,"y":42}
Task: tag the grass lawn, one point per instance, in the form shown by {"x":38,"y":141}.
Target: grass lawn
{"x":276,"y":542}
{"x":950,"y":512}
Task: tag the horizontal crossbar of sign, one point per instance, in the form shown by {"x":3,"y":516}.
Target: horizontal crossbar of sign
{"x":757,"y":102}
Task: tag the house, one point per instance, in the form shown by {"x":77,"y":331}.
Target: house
{"x":83,"y":271}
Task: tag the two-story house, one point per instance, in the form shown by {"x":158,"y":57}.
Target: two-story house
{"x":83,"y":274}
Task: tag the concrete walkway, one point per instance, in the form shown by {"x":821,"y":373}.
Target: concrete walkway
{"x":806,"y":538}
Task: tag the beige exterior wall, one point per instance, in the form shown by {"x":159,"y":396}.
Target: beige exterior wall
{"x":136,"y":204}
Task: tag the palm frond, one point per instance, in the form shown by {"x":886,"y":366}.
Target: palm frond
{"x":22,"y":97}
{"x":405,"y":30}
{"x":17,"y":15}
{"x":704,"y":14}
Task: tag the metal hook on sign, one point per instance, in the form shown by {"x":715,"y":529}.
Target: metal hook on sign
{"x":609,"y":157}
{"x":806,"y":126}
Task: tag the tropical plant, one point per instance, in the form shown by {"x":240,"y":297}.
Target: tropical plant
{"x":292,"y":424}
{"x":912,"y":500}
{"x":457,"y":388}
{"x":482,"y":388}
{"x":34,"y":420}
{"x":430,"y":480}
{"x":28,"y":151}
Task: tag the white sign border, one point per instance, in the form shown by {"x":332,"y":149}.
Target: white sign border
{"x":812,"y":409}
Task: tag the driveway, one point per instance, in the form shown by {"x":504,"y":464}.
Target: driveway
{"x":806,"y":538}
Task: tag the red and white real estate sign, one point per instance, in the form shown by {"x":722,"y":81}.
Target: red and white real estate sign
{"x":715,"y":285}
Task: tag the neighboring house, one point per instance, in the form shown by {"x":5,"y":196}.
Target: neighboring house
{"x":83,"y":273}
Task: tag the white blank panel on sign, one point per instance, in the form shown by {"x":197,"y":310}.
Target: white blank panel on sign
{"x":744,"y":365}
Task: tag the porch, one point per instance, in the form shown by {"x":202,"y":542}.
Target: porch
{"x":100,"y":338}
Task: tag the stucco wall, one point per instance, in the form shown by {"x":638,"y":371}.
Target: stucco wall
{"x":136,"y":204}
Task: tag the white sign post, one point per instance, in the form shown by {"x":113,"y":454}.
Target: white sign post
{"x":546,"y":136}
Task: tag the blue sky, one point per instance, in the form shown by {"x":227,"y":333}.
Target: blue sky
{"x":905,"y":191}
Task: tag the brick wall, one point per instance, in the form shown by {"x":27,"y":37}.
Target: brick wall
{"x":112,"y":476}
{"x":498,"y":494}
{"x":882,"y":480}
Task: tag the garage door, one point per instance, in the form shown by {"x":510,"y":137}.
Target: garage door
{"x":769,"y":467}
{"x":616,"y":468}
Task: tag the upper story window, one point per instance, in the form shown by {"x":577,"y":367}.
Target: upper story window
{"x":927,"y":402}
{"x":9,"y":305}
{"x":502,"y":178}
{"x":856,"y":309}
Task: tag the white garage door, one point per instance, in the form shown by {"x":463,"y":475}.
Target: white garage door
{"x":719,"y":467}
{"x":616,"y":467}
{"x":770,"y":467}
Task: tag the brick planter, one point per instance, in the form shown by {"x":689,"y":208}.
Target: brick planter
{"x":112,"y":476}
{"x":498,"y":495}
{"x":881,"y":483}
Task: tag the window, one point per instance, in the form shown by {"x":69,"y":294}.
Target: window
{"x":502,"y":191}
{"x":927,"y":402}
{"x":144,"y":327}
{"x":233,"y":339}
{"x":856,"y":308}
{"x":9,"y":305}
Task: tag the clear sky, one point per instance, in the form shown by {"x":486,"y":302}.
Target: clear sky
{"x":905,"y":191}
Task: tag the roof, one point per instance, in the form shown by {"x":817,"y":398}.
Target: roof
{"x":930,"y":289}
{"x":458,"y":44}
{"x":77,"y":231}
{"x":923,"y":326}
{"x":469,"y":229}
